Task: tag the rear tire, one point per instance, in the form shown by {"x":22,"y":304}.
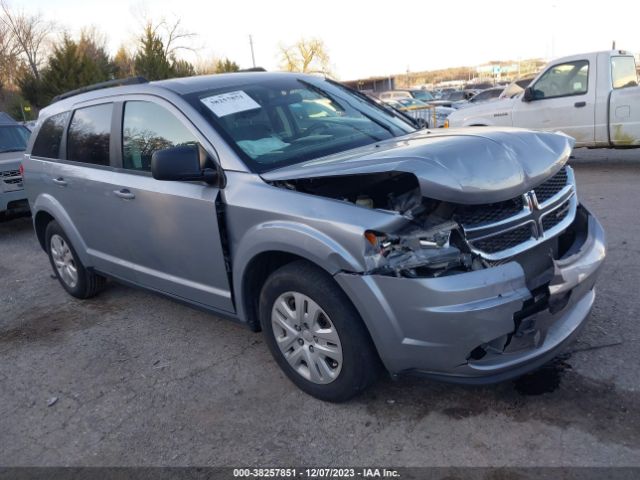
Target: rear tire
{"x":315,"y":334}
{"x":71,"y":273}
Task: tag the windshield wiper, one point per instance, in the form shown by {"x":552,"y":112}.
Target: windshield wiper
{"x":9,"y":150}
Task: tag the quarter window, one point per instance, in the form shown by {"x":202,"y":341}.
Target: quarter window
{"x":147,"y":128}
{"x":563,"y":80}
{"x":623,"y":72}
{"x":89,"y":135}
{"x":49,"y":139}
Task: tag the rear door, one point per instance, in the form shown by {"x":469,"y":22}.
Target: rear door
{"x":81,"y":182}
{"x":564,"y":100}
{"x":171,"y":228}
{"x":624,"y":106}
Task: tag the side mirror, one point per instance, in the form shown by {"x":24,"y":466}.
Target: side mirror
{"x":528,"y":95}
{"x":185,"y":162}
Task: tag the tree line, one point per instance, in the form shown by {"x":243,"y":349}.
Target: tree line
{"x":38,"y":60}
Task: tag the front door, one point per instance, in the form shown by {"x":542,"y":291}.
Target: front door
{"x":564,"y":100}
{"x":171,"y":227}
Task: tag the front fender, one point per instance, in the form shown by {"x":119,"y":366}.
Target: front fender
{"x":294,"y":238}
{"x":46,"y":203}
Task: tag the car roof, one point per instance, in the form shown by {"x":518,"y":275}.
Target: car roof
{"x":180,"y":86}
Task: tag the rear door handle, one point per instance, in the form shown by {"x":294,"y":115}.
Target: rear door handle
{"x":125,"y":193}
{"x":580,"y":104}
{"x":60,"y":181}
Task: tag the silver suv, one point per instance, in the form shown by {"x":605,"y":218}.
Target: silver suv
{"x":303,"y":209}
{"x":13,"y":142}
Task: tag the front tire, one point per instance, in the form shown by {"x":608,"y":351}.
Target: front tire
{"x":315,"y":334}
{"x":71,"y":273}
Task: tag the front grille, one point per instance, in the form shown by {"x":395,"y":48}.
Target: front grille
{"x":475,"y":215}
{"x":11,"y":176}
{"x":496,"y":230}
{"x":552,"y":219}
{"x":552,"y":186}
{"x":504,"y":240}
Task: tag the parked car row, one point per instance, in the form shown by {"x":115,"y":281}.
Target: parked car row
{"x":452,"y":99}
{"x":592,"y":97}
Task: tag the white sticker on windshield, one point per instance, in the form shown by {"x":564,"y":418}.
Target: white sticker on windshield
{"x":231,"y":102}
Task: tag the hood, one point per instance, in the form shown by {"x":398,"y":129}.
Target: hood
{"x":444,"y":110}
{"x":11,"y":159}
{"x":469,"y":166}
{"x":484,"y":108}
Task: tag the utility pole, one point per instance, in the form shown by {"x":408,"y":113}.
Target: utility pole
{"x":253,"y":57}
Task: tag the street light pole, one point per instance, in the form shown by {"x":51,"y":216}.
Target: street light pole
{"x":253,"y":57}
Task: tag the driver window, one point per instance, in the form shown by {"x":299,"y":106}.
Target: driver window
{"x":563,"y":80}
{"x":146,"y":128}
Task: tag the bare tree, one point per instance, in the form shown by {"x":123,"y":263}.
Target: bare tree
{"x":9,"y":52}
{"x":29,"y":32}
{"x":306,"y":56}
{"x":175,"y":37}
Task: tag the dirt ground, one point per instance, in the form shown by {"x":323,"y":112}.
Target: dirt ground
{"x":131,"y":378}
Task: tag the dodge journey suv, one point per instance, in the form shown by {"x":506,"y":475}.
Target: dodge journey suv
{"x":303,"y":209}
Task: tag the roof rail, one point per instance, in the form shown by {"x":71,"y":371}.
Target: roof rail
{"x":252,"y":69}
{"x":98,"y":86}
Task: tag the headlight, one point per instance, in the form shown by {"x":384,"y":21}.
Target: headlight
{"x":415,"y":253}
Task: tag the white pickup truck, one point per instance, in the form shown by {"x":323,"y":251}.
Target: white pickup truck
{"x":593,"y":97}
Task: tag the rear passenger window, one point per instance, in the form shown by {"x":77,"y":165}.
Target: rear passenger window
{"x":49,"y":139}
{"x":623,"y":72}
{"x":89,"y":135}
{"x":146,"y":128}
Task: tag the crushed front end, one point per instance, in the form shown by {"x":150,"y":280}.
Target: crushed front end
{"x":479,"y":293}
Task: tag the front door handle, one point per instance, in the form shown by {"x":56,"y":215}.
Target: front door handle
{"x":580,"y":104}
{"x":125,"y":193}
{"x":60,"y":181}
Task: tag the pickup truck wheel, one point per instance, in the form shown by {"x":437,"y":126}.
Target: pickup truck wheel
{"x":73,"y":276}
{"x":315,"y":334}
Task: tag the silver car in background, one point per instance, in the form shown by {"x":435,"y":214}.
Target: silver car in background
{"x":13,"y":143}
{"x":301,"y":208}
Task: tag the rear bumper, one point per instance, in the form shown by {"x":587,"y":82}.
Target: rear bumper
{"x":474,"y":327}
{"x":14,"y":201}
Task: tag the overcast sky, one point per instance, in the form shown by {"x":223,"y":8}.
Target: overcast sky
{"x":374,"y":37}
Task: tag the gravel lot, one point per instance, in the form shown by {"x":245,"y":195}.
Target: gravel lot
{"x":131,"y":378}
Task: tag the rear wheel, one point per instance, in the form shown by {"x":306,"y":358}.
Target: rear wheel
{"x":73,"y":276}
{"x":315,"y":334}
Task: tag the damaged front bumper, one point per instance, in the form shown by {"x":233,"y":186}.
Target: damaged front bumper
{"x":483,"y":326}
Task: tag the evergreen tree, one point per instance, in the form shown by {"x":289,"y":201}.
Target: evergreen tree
{"x":182,"y":68}
{"x":123,"y":64}
{"x":226,"y":65}
{"x":151,"y":60}
{"x":73,"y":65}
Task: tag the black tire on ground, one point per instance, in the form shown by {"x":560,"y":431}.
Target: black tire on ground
{"x":361,"y":364}
{"x":88,"y":283}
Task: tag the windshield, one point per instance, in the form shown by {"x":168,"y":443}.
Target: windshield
{"x":456,"y":95}
{"x":276,"y":122}
{"x":422,"y":95}
{"x":13,"y":138}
